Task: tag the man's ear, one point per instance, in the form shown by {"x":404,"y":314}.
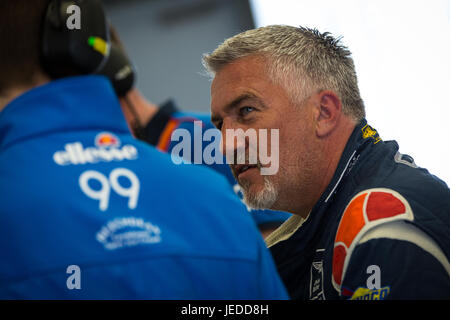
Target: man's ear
{"x":329,"y":109}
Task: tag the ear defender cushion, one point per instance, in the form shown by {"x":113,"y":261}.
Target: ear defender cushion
{"x":85,"y":48}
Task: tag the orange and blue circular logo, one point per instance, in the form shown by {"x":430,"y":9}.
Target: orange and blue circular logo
{"x":107,"y":140}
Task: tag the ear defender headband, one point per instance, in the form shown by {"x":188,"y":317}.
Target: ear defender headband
{"x":85,"y":47}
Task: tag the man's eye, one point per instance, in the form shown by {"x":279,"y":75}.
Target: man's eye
{"x":246,"y":110}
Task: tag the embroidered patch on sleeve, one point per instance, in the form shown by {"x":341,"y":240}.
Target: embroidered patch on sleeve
{"x":366,"y":210}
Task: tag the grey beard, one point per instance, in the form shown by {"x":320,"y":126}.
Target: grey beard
{"x":264,"y":199}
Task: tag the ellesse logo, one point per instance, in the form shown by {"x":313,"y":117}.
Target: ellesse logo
{"x":107,"y":148}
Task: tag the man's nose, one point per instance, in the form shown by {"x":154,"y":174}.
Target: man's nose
{"x":233,"y":140}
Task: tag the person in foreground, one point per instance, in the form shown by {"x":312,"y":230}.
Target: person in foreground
{"x":368,"y":222}
{"x":89,"y":212}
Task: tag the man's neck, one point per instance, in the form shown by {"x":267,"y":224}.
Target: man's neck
{"x":12,"y":93}
{"x":137,"y":109}
{"x":9,"y":96}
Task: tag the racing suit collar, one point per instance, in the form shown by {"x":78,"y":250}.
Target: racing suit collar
{"x":362,"y":136}
{"x":153,"y":130}
{"x":61,"y":105}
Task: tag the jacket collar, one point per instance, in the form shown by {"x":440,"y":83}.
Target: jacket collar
{"x":152,"y":131}
{"x":83,"y":102}
{"x":362,"y":137}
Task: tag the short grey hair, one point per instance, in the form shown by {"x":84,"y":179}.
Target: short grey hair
{"x":301,"y":59}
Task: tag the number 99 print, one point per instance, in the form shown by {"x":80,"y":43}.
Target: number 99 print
{"x":103,"y":194}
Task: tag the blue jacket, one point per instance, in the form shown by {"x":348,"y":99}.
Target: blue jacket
{"x":159,"y":133}
{"x":88,"y":212}
{"x":380,"y":230}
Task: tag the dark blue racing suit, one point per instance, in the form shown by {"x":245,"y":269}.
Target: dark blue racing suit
{"x":381,"y":230}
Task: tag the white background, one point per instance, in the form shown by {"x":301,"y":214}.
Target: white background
{"x":401,"y":49}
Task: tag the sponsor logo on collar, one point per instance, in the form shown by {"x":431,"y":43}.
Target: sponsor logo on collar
{"x":369,"y":132}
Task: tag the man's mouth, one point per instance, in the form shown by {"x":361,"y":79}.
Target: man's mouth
{"x":241,"y":168}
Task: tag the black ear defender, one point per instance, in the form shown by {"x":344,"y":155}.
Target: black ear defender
{"x":84,"y":49}
{"x":119,"y":70}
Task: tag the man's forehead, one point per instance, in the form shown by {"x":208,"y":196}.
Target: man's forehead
{"x":241,"y":67}
{"x":235,"y":79}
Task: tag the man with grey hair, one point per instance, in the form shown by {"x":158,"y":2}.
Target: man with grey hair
{"x":368,"y":223}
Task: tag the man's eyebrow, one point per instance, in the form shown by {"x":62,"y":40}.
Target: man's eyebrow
{"x":233,"y":104}
{"x":238,"y":100}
